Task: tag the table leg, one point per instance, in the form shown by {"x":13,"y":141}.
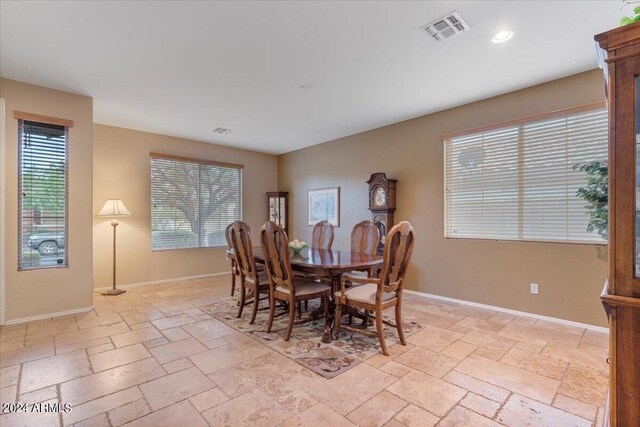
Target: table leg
{"x":328,"y":335}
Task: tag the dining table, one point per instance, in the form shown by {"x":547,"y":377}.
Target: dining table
{"x":329,"y":264}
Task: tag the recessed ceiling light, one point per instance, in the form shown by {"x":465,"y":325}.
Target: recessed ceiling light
{"x":222,"y":131}
{"x":502,"y":36}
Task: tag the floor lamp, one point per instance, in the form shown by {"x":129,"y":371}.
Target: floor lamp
{"x":114,"y":208}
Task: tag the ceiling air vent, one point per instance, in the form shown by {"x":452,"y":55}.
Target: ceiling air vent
{"x":222,"y":131}
{"x":446,"y":27}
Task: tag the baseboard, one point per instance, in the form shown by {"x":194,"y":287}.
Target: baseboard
{"x":48,"y":315}
{"x":510,"y":311}
{"x":159,"y":282}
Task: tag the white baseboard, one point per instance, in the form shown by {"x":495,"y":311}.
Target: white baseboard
{"x":509,"y":311}
{"x":159,"y":282}
{"x":48,"y":315}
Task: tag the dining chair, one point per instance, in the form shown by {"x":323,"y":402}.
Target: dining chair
{"x":284,"y":286}
{"x":234,"y":266}
{"x":321,"y":238}
{"x":365,"y":237}
{"x":379,"y":294}
{"x":322,"y":235}
{"x":251,"y":278}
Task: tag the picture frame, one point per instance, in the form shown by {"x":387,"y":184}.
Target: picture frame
{"x":323,"y":204}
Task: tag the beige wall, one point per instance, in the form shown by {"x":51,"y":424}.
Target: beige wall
{"x":39,"y":292}
{"x":121,"y":170}
{"x":489,"y":272}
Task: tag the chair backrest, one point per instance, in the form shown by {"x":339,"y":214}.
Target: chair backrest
{"x":240,"y":238}
{"x":322,"y":235}
{"x":227,"y":235}
{"x":365,"y":237}
{"x":398,"y":247}
{"x":275,"y":248}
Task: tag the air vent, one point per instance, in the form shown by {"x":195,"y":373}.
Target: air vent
{"x":446,"y":27}
{"x":222,"y":131}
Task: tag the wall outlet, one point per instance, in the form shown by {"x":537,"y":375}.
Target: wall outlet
{"x":534,"y":288}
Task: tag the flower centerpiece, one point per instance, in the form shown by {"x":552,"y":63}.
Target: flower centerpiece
{"x":297,"y":246}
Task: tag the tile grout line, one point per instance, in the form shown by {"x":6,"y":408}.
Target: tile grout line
{"x":59,"y":396}
{"x":452,"y":407}
{"x":469,"y":375}
{"x":502,"y":404}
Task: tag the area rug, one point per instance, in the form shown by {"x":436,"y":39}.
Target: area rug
{"x":305,"y":346}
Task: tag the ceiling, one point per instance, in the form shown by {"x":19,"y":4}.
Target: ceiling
{"x":185,"y":68}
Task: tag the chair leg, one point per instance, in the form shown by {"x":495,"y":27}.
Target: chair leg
{"x":272,"y":310}
{"x":299,"y":310}
{"x":365,"y":321}
{"x":380,"y":332}
{"x":338,"y":319}
{"x":399,"y":323}
{"x":233,"y":279}
{"x":256,"y":302}
{"x":243,"y":296}
{"x":292,"y":318}
{"x":306,"y":305}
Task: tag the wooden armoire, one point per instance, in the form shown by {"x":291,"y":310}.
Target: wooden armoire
{"x":620,"y":56}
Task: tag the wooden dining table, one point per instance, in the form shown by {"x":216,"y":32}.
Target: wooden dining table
{"x":330,"y":264}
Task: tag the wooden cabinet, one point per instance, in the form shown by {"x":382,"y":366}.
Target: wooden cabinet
{"x":278,"y":208}
{"x":620,"y":53}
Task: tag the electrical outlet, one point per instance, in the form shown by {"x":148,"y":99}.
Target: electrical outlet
{"x":534,"y":288}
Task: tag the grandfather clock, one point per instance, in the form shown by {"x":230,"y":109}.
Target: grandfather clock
{"x":382,"y":203}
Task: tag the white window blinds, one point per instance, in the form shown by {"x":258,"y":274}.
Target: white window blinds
{"x":518,"y":182}
{"x":43,"y":184}
{"x":192,"y":202}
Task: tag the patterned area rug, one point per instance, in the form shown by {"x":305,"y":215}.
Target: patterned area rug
{"x":305,"y":346}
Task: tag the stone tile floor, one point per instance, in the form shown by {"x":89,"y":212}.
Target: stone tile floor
{"x":152,"y":357}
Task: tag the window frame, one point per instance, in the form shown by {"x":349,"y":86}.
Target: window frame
{"x":21,"y":117}
{"x":520,"y":123}
{"x":198,"y":161}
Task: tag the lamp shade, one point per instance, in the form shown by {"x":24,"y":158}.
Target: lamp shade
{"x":114,"y":207}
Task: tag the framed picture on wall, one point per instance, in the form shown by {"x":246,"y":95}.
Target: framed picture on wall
{"x":323,"y":203}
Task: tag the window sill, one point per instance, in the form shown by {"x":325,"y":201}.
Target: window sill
{"x":189,"y":249}
{"x":50,"y":267}
{"x":560,"y":242}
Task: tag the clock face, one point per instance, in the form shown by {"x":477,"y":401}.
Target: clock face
{"x":379,"y":197}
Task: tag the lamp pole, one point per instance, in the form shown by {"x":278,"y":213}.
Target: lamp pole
{"x":114,"y":208}
{"x":114,"y":291}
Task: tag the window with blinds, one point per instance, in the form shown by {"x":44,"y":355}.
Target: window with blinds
{"x":518,"y":182}
{"x":192,"y":202}
{"x":43,"y":190}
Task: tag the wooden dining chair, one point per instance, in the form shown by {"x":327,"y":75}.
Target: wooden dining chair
{"x":251,"y":278}
{"x":322,"y":235}
{"x":379,"y":294}
{"x":284,"y":286}
{"x":234,"y":265}
{"x":365,"y":237}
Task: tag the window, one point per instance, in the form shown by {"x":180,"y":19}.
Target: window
{"x":517,"y":182}
{"x":192,"y":202}
{"x":43,"y":186}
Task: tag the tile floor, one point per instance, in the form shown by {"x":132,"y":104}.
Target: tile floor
{"x":152,"y":357}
